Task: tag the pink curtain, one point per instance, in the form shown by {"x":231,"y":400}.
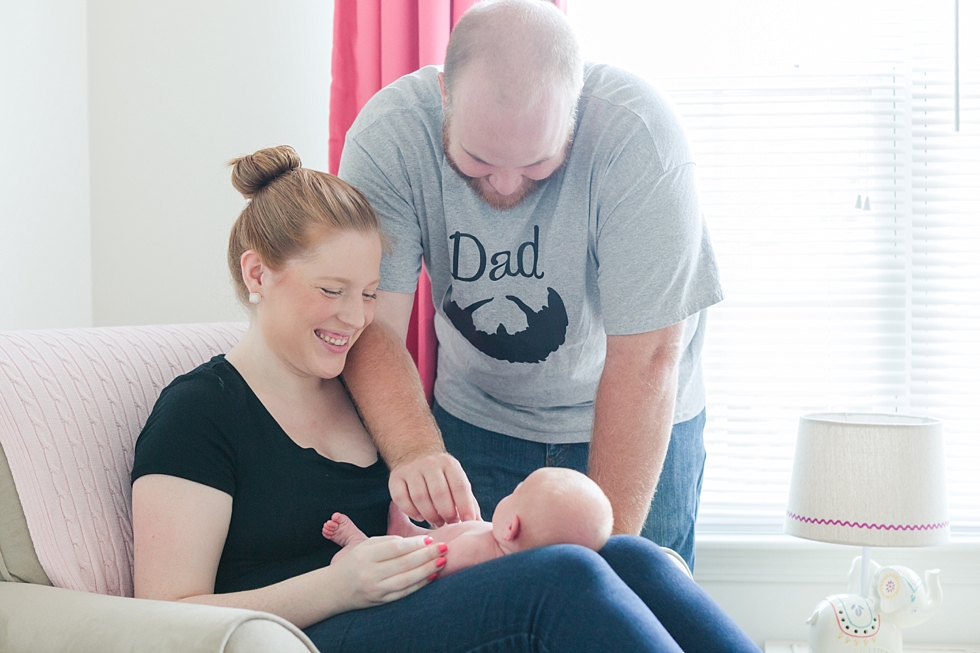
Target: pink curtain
{"x":374,"y":43}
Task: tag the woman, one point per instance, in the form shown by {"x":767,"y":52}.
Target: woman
{"x":243,"y":460}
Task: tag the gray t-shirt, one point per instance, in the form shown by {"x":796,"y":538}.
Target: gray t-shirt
{"x":613,"y":243}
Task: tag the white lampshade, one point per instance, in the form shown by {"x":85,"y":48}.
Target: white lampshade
{"x":870,"y":480}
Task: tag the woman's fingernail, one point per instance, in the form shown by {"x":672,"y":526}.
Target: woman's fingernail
{"x":433,"y":577}
{"x":443,"y":547}
{"x":428,"y":540}
{"x":440,"y":562}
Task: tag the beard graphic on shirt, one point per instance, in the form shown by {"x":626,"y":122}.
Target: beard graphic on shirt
{"x":544,"y":334}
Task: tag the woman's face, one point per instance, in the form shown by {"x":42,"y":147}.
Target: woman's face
{"x":315,"y":308}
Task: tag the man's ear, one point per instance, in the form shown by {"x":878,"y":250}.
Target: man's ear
{"x":442,"y":91}
{"x":253,"y":271}
{"x":513,"y":529}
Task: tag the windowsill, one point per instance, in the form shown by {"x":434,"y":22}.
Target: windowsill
{"x":801,"y":647}
{"x":786,"y":559}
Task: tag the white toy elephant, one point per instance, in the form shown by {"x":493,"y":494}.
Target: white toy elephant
{"x":873,"y":624}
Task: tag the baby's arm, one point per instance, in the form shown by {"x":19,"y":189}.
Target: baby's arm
{"x":472,"y":541}
{"x":470,"y":546}
{"x":450,"y":532}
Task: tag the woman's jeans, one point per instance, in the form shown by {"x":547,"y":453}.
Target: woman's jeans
{"x":496,"y":463}
{"x":629,"y":597}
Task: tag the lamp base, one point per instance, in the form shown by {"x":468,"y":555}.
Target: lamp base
{"x":844,"y":621}
{"x":898,"y":599}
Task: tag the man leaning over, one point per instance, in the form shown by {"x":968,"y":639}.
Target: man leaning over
{"x":555,"y":206}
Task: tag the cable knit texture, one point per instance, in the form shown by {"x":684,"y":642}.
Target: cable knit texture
{"x":72,"y":402}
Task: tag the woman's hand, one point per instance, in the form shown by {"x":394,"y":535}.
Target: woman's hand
{"x":387,"y":568}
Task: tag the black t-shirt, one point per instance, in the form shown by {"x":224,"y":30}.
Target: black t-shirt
{"x":209,"y":427}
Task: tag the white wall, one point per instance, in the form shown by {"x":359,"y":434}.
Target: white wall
{"x":176,"y":89}
{"x":44,"y":174}
{"x":116,"y":120}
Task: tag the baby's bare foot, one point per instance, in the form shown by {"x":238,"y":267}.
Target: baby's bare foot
{"x":341,"y":530}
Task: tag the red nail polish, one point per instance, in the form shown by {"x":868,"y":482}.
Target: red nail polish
{"x":428,"y":540}
{"x":433,"y":577}
{"x":440,"y":562}
{"x":443,"y":547}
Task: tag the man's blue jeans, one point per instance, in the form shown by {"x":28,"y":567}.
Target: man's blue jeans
{"x":496,"y":463}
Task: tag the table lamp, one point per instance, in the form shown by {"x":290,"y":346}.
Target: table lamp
{"x":870,"y":479}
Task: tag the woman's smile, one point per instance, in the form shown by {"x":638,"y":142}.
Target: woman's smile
{"x":335,"y":342}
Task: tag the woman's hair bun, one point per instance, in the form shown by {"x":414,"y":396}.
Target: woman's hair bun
{"x":252,"y":172}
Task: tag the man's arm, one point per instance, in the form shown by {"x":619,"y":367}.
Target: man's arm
{"x":426,"y":482}
{"x":634,"y":408}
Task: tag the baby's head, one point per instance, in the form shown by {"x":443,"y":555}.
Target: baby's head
{"x":553,"y":505}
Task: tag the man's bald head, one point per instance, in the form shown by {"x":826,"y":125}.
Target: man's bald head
{"x":510,"y":88}
{"x":521,"y":49}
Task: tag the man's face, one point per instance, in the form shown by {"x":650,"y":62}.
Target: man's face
{"x":502,"y":154}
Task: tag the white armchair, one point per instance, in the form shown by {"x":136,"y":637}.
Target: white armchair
{"x":72,"y":403}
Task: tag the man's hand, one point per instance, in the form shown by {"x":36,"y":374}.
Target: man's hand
{"x":434,"y":488}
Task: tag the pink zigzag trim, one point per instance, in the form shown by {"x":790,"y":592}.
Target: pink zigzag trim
{"x":877,"y":527}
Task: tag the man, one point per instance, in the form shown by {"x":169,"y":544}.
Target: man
{"x":556,"y":209}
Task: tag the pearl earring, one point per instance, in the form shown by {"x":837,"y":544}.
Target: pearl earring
{"x":254,"y":298}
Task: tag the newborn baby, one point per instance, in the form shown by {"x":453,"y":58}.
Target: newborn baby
{"x":553,"y":505}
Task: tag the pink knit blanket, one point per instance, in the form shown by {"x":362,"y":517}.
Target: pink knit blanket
{"x":72,"y":403}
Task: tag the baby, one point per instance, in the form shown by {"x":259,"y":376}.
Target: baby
{"x":553,"y":505}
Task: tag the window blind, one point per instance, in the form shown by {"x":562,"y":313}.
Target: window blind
{"x":806,"y":190}
{"x":944,"y":363}
{"x":844,"y":212}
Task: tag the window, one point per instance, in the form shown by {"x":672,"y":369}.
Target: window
{"x":845,"y":213}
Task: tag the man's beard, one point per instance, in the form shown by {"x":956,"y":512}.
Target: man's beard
{"x":482,"y":187}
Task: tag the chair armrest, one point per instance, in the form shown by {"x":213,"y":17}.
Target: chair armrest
{"x":678,"y":560}
{"x":39,"y":619}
